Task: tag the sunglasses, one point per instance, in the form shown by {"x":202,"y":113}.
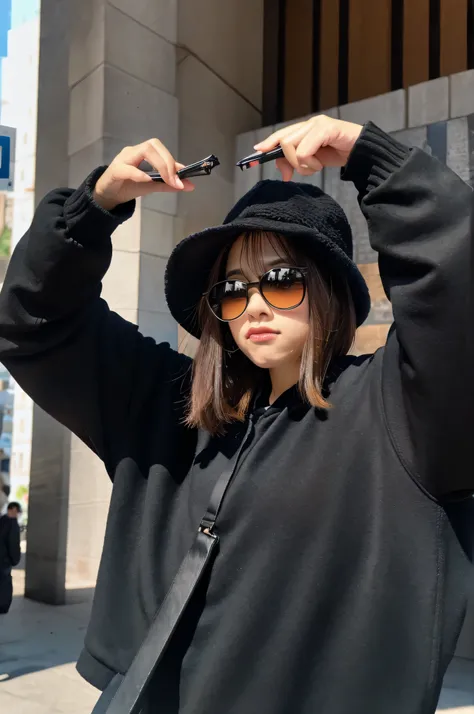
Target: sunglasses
{"x":205,"y":166}
{"x":199,"y":168}
{"x":281,"y":288}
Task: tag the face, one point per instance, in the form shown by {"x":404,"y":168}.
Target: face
{"x":281,"y":334}
{"x":13,"y":513}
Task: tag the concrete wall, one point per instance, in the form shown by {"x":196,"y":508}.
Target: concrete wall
{"x":125,"y":71}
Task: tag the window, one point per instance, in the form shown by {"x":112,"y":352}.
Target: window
{"x":320,"y":54}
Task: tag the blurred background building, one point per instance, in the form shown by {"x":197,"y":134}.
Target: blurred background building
{"x":82,"y":79}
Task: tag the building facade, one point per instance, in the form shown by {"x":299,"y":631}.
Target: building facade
{"x":18,"y":109}
{"x":206,"y":76}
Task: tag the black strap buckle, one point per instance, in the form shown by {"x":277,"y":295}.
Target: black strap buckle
{"x":206,"y":527}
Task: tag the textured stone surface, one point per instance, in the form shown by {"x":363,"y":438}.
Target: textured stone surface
{"x":87,"y":44}
{"x":120,"y":283}
{"x":369,"y":338}
{"x":86,"y":115}
{"x":470,"y":133}
{"x":437,"y":140}
{"x":381,"y":309}
{"x":462,"y":94}
{"x":388,"y":111}
{"x":428,"y":102}
{"x":139,"y":51}
{"x":158,"y":325}
{"x":151,"y":295}
{"x":159,"y":17}
{"x":227,"y":37}
{"x":380,"y":313}
{"x":157,"y":233}
{"x":84,"y":161}
{"x":458,"y":153}
{"x":127,"y":237}
{"x":244,"y":180}
{"x":53,"y":98}
{"x":345,"y":194}
{"x":134,"y":111}
{"x":48,"y":510}
{"x":211,"y":116}
{"x":413,"y":137}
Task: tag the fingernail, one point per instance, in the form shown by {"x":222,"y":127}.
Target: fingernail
{"x":257,"y":147}
{"x":178,"y":182}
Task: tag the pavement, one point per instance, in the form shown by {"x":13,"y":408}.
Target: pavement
{"x":40,"y":643}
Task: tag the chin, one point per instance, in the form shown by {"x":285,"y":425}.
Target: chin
{"x":263,"y":358}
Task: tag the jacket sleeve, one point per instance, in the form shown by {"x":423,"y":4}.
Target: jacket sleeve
{"x":419,"y":218}
{"x":13,"y":543}
{"x":82,"y":363}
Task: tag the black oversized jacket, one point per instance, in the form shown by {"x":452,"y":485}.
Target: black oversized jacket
{"x":342,"y":575}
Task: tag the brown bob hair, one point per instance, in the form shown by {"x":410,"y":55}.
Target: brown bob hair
{"x":224,"y":380}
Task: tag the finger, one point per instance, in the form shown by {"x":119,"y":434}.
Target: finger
{"x":160,"y":158}
{"x":160,"y":187}
{"x":285,"y":169}
{"x":305,"y":172}
{"x":156,"y":154}
{"x":188,"y":185}
{"x":311,"y":144}
{"x":291,"y":141}
{"x":289,"y":149}
{"x":308,"y":163}
{"x":131,"y":173}
{"x":274,"y":139}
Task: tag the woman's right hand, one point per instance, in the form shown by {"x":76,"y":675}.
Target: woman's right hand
{"x":123,"y":180}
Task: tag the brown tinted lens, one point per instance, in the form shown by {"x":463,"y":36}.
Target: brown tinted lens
{"x":228,"y":299}
{"x":232,"y":308}
{"x":284,"y":288}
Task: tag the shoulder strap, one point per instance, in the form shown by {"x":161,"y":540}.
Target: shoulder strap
{"x":125,"y":696}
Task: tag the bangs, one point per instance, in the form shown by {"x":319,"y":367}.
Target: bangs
{"x":224,"y":379}
{"x":253,"y":251}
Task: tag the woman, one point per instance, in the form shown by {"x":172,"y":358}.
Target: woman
{"x":340,"y":582}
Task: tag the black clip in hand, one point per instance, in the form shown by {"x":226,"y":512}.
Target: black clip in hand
{"x":199,"y":168}
{"x":260,"y":158}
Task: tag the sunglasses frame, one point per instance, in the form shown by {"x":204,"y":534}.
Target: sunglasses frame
{"x":258,"y":284}
{"x":199,"y":168}
{"x":260,"y":158}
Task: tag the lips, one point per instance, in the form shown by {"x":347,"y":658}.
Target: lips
{"x":260,"y":334}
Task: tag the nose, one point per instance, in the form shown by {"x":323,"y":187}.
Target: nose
{"x":257,"y":305}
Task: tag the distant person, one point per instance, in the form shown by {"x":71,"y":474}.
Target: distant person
{"x":10,"y":553}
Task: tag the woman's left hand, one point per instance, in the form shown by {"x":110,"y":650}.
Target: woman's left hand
{"x":311,"y":145}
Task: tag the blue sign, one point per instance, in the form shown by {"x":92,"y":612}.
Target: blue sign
{"x":5,"y":151}
{"x":7,"y":157}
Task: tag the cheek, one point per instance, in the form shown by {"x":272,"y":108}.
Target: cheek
{"x":236,"y":329}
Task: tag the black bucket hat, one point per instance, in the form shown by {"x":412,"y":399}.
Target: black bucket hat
{"x":303,"y":213}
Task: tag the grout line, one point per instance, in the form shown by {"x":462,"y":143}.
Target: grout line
{"x":186,"y":49}
{"x":140,"y":79}
{"x":134,"y":19}
{"x":85,"y":76}
{"x":190,"y":53}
